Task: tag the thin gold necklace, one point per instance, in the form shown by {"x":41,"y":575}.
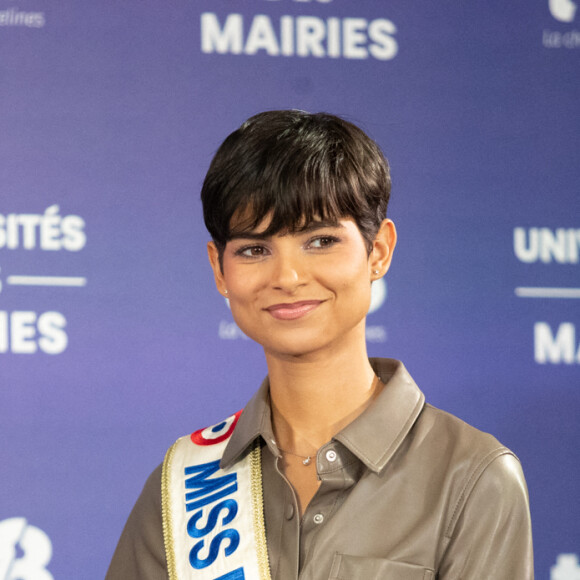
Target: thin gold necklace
{"x":306,"y":459}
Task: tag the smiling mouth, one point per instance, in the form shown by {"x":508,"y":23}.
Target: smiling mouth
{"x":293,"y":310}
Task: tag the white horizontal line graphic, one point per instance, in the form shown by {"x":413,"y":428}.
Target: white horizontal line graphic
{"x":523,"y":292}
{"x":46,"y":281}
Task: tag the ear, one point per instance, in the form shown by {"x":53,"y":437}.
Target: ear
{"x":214,"y":260}
{"x":383,"y":247}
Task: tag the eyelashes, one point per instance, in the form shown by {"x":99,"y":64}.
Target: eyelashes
{"x":251,"y":251}
{"x":260,"y":250}
{"x":323,"y":242}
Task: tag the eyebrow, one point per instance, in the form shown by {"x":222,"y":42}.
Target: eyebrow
{"x":311,"y":227}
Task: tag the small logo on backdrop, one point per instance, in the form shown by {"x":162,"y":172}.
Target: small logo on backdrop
{"x":378,"y":294}
{"x":564,"y":11}
{"x":216,"y":433}
{"x":567,"y":568}
{"x":25,"y":551}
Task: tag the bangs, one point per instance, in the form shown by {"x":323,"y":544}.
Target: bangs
{"x":287,"y":212}
{"x":291,"y":197}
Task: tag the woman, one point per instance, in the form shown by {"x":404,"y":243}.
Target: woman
{"x":359,"y":477}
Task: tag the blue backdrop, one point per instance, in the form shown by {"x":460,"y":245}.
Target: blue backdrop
{"x":113,"y":341}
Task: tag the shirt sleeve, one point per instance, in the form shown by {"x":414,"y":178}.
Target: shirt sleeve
{"x":140,"y":553}
{"x":492,"y":537}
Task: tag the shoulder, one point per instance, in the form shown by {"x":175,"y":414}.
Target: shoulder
{"x":479,"y":469}
{"x":448,"y":436}
{"x":486,"y":491}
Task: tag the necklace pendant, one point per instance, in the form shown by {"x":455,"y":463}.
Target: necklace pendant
{"x":307,"y":461}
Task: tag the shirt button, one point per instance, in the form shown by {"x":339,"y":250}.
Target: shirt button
{"x":289,"y":511}
{"x":318,"y":518}
{"x":331,"y":455}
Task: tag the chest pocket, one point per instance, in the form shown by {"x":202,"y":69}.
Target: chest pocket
{"x":359,"y":568}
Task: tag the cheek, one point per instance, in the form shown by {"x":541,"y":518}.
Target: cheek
{"x":241,"y":282}
{"x":351,"y":272}
{"x":354,"y":289}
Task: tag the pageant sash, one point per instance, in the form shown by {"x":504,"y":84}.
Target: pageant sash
{"x":213,"y":522}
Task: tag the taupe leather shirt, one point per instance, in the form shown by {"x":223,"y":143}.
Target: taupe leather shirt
{"x":408,"y":492}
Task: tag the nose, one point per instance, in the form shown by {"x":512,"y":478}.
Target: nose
{"x":288,"y":273}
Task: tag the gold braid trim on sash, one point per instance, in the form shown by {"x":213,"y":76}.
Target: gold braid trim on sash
{"x":166,"y":512}
{"x":258,"y":511}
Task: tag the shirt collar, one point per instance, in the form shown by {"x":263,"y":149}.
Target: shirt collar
{"x":373,"y":436}
{"x":255,"y":421}
{"x":377,"y":432}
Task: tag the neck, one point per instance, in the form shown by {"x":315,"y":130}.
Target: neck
{"x":314,"y":397}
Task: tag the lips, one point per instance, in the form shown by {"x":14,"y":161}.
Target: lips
{"x":293,"y":310}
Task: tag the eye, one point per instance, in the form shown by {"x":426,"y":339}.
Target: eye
{"x":251,"y":251}
{"x":322,"y":242}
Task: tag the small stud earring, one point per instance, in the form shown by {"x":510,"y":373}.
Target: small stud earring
{"x":375,"y":272}
{"x":225,"y":291}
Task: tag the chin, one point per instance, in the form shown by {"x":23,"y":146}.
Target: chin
{"x":297,"y":345}
{"x":302,"y":347}
{"x":292,"y":354}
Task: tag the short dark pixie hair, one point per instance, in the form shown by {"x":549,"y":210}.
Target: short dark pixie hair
{"x":297,"y":168}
